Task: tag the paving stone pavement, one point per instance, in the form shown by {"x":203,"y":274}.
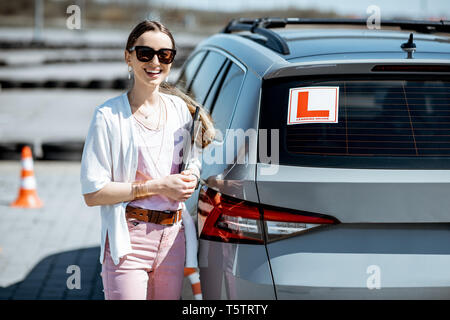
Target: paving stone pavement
{"x":38,"y":245}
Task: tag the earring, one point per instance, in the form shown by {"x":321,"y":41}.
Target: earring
{"x":129,"y":72}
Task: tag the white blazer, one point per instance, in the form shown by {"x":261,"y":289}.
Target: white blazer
{"x":110,"y":154}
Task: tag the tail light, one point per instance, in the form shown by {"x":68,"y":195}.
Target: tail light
{"x":226,"y":219}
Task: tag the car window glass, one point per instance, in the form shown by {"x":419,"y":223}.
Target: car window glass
{"x":206,"y":75}
{"x":217,"y":83}
{"x":382,"y":123}
{"x":189,"y":70}
{"x":226,"y":99}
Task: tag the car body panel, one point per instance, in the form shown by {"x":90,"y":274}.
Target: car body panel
{"x":234,"y":271}
{"x":360,"y":195}
{"x":379,"y":56}
{"x":237,"y":179}
{"x":364,"y":261}
{"x":307,"y":43}
{"x":344,"y":67}
{"x":236,"y":175}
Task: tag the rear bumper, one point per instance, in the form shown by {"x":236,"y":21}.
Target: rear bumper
{"x":324,"y":293}
{"x":364,"y":261}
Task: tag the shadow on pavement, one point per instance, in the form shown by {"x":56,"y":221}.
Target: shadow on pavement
{"x":48,"y":279}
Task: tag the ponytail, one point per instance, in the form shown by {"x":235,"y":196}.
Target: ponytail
{"x":208,"y":131}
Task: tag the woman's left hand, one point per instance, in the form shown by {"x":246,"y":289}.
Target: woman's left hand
{"x":191,"y":171}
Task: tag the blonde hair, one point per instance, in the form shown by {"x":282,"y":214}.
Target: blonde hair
{"x":207,"y":124}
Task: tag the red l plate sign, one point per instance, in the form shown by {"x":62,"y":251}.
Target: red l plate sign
{"x":313,"y":105}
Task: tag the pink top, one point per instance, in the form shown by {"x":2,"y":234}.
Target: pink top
{"x":161,"y":152}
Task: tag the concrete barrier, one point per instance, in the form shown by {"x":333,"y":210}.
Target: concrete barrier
{"x":117,"y":83}
{"x":13,"y":150}
{"x":62,"y":150}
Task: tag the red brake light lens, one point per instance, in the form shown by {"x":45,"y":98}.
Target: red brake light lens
{"x":227,"y":219}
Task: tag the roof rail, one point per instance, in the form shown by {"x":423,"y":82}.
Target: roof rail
{"x":260,"y":26}
{"x":276,"y":42}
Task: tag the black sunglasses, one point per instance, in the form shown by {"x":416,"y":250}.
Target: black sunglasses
{"x":145,"y":54}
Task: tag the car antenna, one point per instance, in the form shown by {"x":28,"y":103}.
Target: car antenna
{"x":409,"y":46}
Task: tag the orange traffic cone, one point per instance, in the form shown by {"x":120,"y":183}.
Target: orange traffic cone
{"x":194,"y":278}
{"x":28,"y":197}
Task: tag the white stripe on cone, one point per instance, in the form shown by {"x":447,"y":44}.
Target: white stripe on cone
{"x":194,"y":277}
{"x":28,"y":183}
{"x":27,"y":163}
{"x":198,"y":296}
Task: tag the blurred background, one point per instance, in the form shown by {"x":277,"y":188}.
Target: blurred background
{"x":58,"y":61}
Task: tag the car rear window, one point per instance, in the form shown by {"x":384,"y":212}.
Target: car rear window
{"x":381,"y":123}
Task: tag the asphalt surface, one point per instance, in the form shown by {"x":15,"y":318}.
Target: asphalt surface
{"x":37,"y":246}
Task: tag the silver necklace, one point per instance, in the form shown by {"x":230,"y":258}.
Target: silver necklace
{"x":161,"y":146}
{"x":158,"y":126}
{"x":146,"y":115}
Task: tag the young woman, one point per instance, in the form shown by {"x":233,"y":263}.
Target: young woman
{"x":131,"y":168}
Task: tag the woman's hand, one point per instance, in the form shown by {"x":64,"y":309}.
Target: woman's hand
{"x":192,"y":172}
{"x":179,"y":187}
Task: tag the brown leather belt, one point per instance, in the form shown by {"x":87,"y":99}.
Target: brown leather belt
{"x":153,"y":216}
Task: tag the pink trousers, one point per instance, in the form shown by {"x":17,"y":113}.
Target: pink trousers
{"x":155,"y":269}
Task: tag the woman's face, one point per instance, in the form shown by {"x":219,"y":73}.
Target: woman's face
{"x":155,"y":40}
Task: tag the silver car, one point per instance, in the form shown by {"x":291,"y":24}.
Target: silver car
{"x":331,"y":179}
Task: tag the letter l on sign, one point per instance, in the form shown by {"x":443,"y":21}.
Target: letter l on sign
{"x":313,"y":105}
{"x":302,"y":107}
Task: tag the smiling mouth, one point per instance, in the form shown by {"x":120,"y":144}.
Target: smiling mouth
{"x":152,"y":73}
